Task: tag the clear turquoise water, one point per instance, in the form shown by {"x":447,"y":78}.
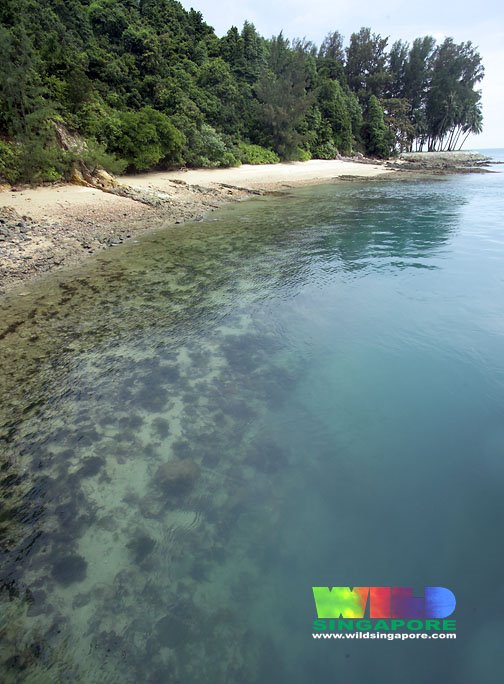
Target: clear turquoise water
{"x":329,"y":369}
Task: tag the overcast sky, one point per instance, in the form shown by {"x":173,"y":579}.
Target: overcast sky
{"x":480,"y":22}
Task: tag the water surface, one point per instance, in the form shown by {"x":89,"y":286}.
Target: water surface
{"x":199,"y":427}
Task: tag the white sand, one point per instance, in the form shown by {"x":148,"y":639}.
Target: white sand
{"x":264,"y":176}
{"x":56,"y":202}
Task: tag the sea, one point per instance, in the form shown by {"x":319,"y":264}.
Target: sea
{"x":199,"y":426}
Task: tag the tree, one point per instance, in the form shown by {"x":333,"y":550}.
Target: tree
{"x":282,"y":99}
{"x":334,"y":108}
{"x":222,"y":104}
{"x":417,"y":78}
{"x":366,"y":65}
{"x":397,"y":65}
{"x":397,"y":119}
{"x":331,"y":57}
{"x":376,"y":135}
{"x":453,"y":106}
{"x":254,"y":54}
{"x":22,"y":94}
{"x":150,"y":82}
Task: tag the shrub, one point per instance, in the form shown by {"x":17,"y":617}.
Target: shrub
{"x":9,"y":162}
{"x":95,"y":156}
{"x":207,"y":149}
{"x":41,"y":161}
{"x":255,"y":154}
{"x":326,"y":150}
{"x":34,"y":160}
{"x":229,"y":159}
{"x":302,"y":155}
{"x":145,"y":138}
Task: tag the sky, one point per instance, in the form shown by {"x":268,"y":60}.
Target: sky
{"x":480,"y":22}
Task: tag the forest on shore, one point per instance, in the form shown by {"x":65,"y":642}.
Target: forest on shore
{"x":142,"y":84}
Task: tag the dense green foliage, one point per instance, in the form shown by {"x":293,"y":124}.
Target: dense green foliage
{"x":377,"y":137}
{"x":255,"y":154}
{"x":147,"y":84}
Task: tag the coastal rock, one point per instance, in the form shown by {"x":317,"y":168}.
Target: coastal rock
{"x":77,"y":178}
{"x":104,"y":179}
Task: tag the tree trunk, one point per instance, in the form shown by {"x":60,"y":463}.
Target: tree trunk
{"x":463,"y":141}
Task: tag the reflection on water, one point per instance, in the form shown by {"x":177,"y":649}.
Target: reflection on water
{"x":199,"y":427}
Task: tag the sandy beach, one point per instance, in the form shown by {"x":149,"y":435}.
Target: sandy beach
{"x":265,"y":177}
{"x":49,"y":227}
{"x":61,"y":202}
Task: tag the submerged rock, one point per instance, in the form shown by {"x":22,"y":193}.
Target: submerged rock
{"x":133,"y":422}
{"x":172,"y":631}
{"x":91,"y":466}
{"x":141,"y":546}
{"x":69,"y":569}
{"x":177,"y":477}
{"x":161,"y":427}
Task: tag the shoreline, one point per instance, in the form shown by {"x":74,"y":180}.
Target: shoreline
{"x":48,"y":228}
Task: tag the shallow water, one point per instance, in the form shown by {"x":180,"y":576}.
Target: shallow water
{"x":326,"y":372}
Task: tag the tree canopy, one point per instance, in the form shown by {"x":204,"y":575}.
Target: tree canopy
{"x":147,"y":84}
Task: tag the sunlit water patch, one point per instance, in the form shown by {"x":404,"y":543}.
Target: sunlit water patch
{"x":199,"y":427}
